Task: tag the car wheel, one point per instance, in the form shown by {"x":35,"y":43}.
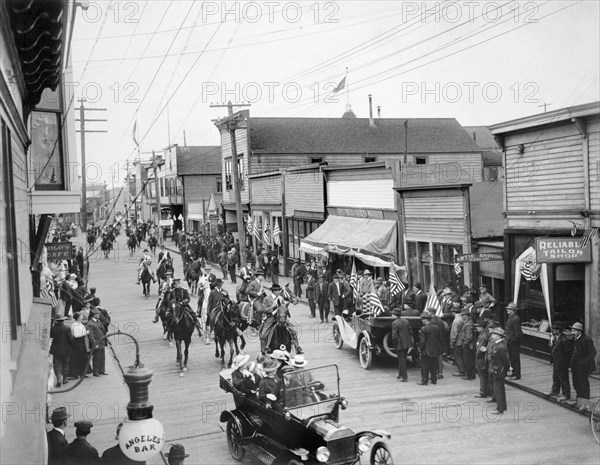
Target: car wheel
{"x":381,"y":455}
{"x":234,"y":440}
{"x":365,"y":355}
{"x":337,"y":336}
{"x":388,"y":345}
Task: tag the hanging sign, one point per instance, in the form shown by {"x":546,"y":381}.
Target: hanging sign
{"x":480,"y":257}
{"x":562,"y":250}
{"x":59,"y":251}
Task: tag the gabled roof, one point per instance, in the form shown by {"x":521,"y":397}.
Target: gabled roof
{"x":483,"y":137}
{"x":356,"y":135}
{"x":194,"y":160}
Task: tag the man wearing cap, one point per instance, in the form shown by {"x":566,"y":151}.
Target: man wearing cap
{"x":420,"y":297}
{"x":456,"y":342}
{"x":431,"y":349}
{"x":401,"y":338}
{"x":582,"y":361}
{"x":322,"y":298}
{"x":56,"y":436}
{"x":562,"y":350}
{"x":468,"y":339}
{"x":336,"y":291}
{"x":176,"y":455}
{"x":115,"y":456}
{"x":498,"y":367}
{"x":96,"y":333}
{"x":485,"y":297}
{"x":513,"y":336}
{"x":60,"y":349}
{"x":80,"y":451}
{"x":481,"y":362}
{"x":145,"y":262}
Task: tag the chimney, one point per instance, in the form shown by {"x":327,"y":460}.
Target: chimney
{"x":378,"y":111}
{"x":474,"y":136}
{"x":184,"y":141}
{"x":371,"y":121}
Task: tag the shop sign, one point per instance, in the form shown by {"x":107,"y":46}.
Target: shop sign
{"x":59,"y":251}
{"x":309,"y":215}
{"x":562,"y":250}
{"x":360,"y":213}
{"x":480,"y":257}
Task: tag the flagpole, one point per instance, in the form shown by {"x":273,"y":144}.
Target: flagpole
{"x":347,"y":89}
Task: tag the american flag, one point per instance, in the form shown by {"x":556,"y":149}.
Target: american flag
{"x":586,"y":238}
{"x":48,"y":293}
{"x":457,"y":268}
{"x":376,"y":305}
{"x":276,"y":232}
{"x":354,"y":281}
{"x":256,"y":230}
{"x":396,"y":286}
{"x":266,"y":238}
{"x":249,"y":224}
{"x":530,"y":267}
{"x":433,"y":301}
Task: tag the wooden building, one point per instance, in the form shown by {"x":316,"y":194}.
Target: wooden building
{"x":552,"y":213}
{"x":39,"y":179}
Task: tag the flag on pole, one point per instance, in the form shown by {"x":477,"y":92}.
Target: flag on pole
{"x":433,"y":301}
{"x":276,"y":232}
{"x":586,"y":238}
{"x":396,"y":286}
{"x":266,"y":238}
{"x":354,"y":281}
{"x":376,"y":305}
{"x":457,"y":267}
{"x":340,"y":86}
{"x":256,"y":230}
{"x":133,"y":133}
{"x":249,"y":225}
{"x":48,"y":292}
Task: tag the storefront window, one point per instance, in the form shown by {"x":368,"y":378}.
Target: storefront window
{"x":444,"y":264}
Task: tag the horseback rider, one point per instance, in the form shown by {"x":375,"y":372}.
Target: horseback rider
{"x":162,"y":255}
{"x":216,"y":296}
{"x":164,"y":294}
{"x":240,"y":292}
{"x":145,"y":262}
{"x":181,"y":297}
{"x":255,"y":291}
{"x":271,"y":304}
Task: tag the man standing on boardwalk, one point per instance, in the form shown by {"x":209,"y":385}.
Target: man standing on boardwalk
{"x":514,"y":334}
{"x":582,"y":362}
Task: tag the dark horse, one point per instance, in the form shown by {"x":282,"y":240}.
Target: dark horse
{"x":192,"y":274}
{"x":146,"y":278}
{"x":132,"y":244}
{"x":182,"y":329}
{"x":106,"y":246}
{"x":165,"y":312}
{"x":152,"y":242}
{"x":226,"y":318}
{"x":161,"y":272}
{"x":91,"y":240}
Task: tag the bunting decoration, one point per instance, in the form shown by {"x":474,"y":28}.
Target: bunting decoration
{"x":588,"y":237}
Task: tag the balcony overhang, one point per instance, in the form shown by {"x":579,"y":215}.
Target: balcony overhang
{"x":55,"y":202}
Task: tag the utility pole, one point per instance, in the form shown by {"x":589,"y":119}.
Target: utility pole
{"x":82,"y":120}
{"x":231,"y":123}
{"x":155,"y":166}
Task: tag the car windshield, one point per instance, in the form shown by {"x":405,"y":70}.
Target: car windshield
{"x":314,"y":387}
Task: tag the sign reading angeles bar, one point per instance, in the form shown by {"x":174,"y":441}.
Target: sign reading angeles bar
{"x":562,"y":250}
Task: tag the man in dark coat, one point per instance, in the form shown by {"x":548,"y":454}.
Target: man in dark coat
{"x":481,"y":364}
{"x":469,"y":338}
{"x":336,"y":292}
{"x":96,"y":333}
{"x":322,"y":298}
{"x":56,"y":437}
{"x":582,"y":362}
{"x":311,"y":283}
{"x":60,"y":349}
{"x":514,"y":335}
{"x":115,"y":456}
{"x":298,"y":277}
{"x":402,"y":342}
{"x":420,"y":297}
{"x":431,"y":349}
{"x":562,"y":349}
{"x":499,"y":364}
{"x":80,"y":451}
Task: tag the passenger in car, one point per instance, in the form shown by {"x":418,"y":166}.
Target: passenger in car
{"x":243,"y":379}
{"x":293,"y":388}
{"x":269,"y":389}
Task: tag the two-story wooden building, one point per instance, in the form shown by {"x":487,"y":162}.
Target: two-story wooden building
{"x":39,"y":179}
{"x":552,"y":215}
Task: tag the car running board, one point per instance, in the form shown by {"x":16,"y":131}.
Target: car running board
{"x":261,"y":454}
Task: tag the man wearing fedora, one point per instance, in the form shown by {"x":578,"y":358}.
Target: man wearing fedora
{"x":322,"y":298}
{"x":336,"y":292}
{"x":469,"y":338}
{"x":176,"y":455}
{"x":402,"y":342}
{"x":513,"y":336}
{"x":582,"y":362}
{"x":562,"y":349}
{"x":481,"y":362}
{"x":115,"y":456}
{"x":80,"y":451}
{"x":56,"y":438}
{"x":60,"y":349}
{"x":431,"y":348}
{"x":96,"y":333}
{"x":499,"y":364}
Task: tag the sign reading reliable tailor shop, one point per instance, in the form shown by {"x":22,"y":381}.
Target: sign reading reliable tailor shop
{"x":562,"y":250}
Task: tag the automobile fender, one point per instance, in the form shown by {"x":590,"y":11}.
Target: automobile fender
{"x":365,"y":334}
{"x":347,"y":332}
{"x":238,"y":417}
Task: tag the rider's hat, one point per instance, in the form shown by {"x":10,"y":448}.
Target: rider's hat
{"x":397,"y":311}
{"x":146,"y":250}
{"x":259,"y":273}
{"x":219,"y":282}
{"x":176,"y":280}
{"x":275,"y":287}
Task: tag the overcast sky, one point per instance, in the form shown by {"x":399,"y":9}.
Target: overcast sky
{"x":479,"y":62}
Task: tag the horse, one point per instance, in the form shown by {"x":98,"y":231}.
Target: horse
{"x":182,"y":329}
{"x":161,"y":272}
{"x":91,"y":240}
{"x":226,"y":320}
{"x":166,"y":317}
{"x":139,"y":236}
{"x":132,"y":244}
{"x":192,"y":274}
{"x":275,"y":333}
{"x":146,"y":278}
{"x":106,"y":246}
{"x":152,"y":242}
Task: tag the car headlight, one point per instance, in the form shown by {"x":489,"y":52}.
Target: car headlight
{"x":364,"y":443}
{"x":287,"y":415}
{"x":322,"y":454}
{"x":344,"y":403}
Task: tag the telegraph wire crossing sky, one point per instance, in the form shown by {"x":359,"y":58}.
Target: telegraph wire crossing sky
{"x":479,"y":62}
